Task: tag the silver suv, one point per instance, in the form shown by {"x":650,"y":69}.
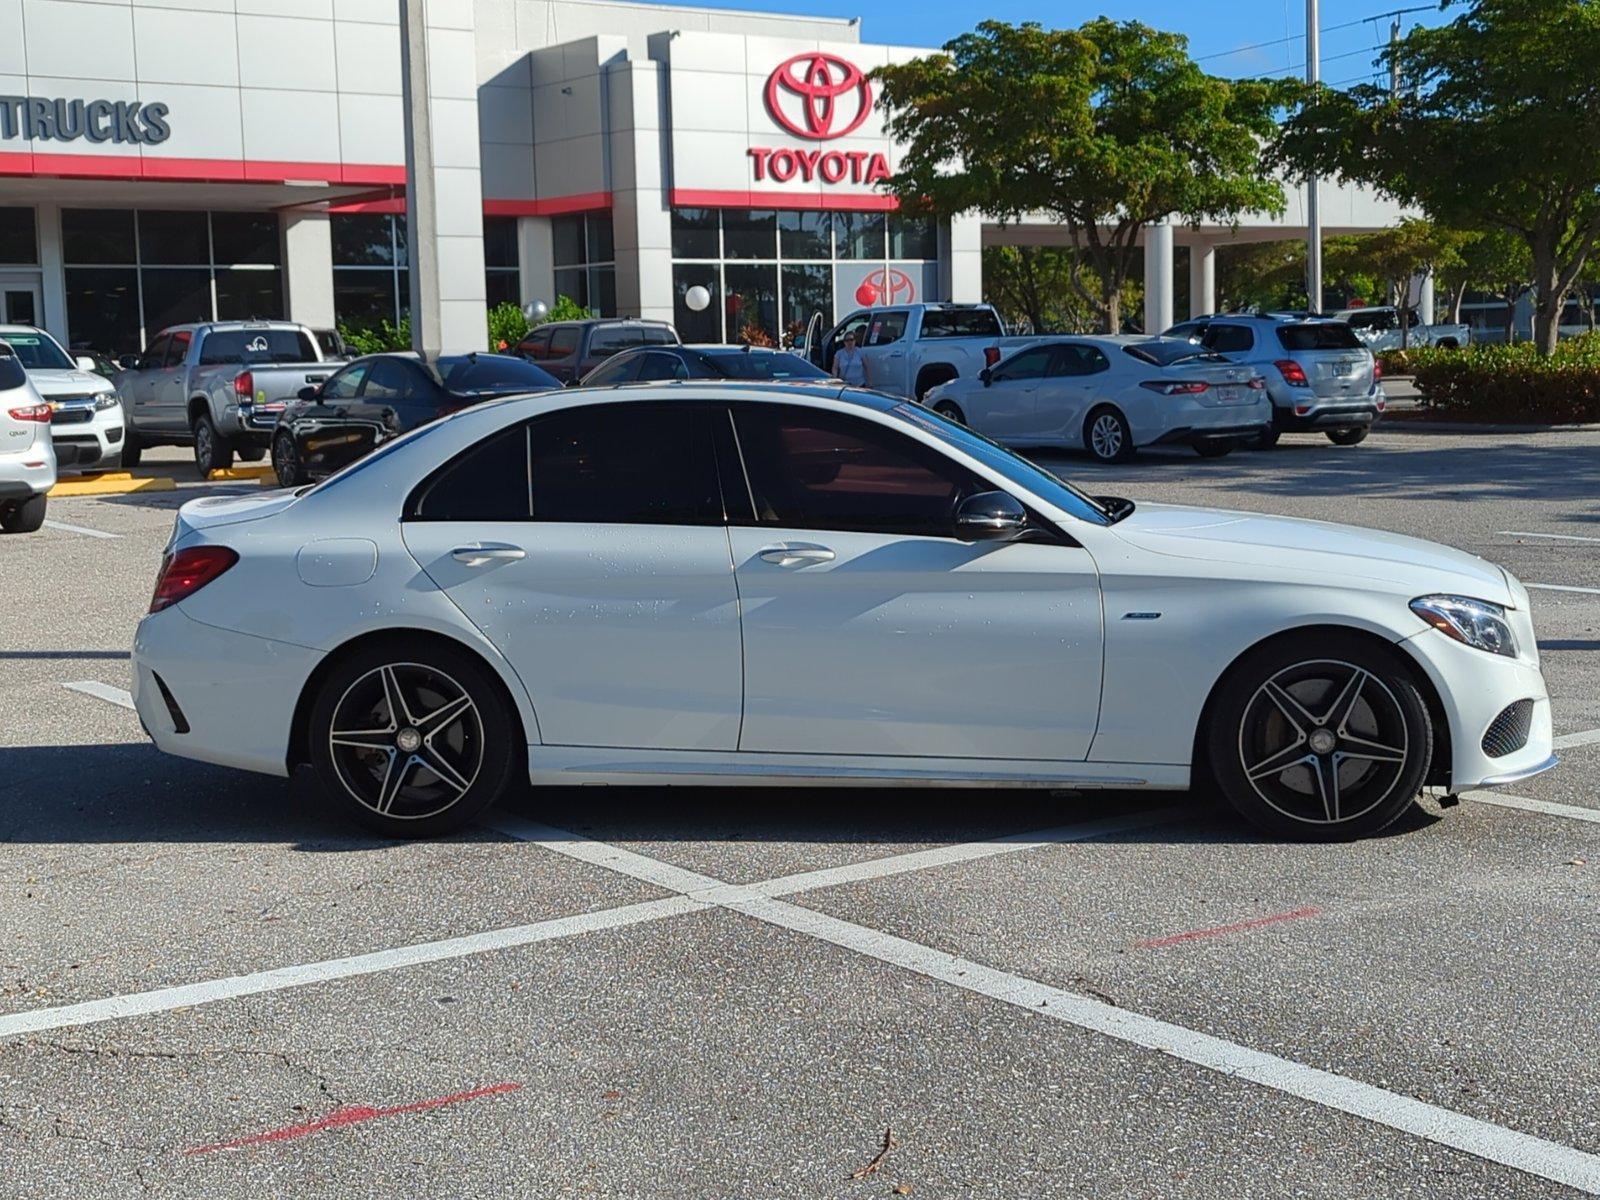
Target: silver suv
{"x":1319,"y":375}
{"x":27,"y":457}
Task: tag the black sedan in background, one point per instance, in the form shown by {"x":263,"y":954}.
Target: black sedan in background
{"x":703,"y":362}
{"x":381,"y":396}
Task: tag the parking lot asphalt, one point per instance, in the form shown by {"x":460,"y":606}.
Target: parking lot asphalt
{"x":211,"y":986}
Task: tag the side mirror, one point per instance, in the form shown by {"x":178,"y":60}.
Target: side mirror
{"x":308,"y":392}
{"x":990,"y":517}
{"x":129,"y":362}
{"x":987,"y":375}
{"x":84,"y":363}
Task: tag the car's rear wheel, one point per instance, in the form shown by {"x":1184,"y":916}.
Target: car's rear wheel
{"x":1347,"y":437}
{"x":1266,"y":439}
{"x":1107,"y":435}
{"x":1320,"y":739}
{"x":950,"y":411}
{"x":286,"y":462}
{"x":25,"y":516}
{"x":412,"y":742}
{"x":211,"y":450}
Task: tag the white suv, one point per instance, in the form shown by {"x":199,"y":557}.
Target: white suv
{"x":86,"y":412}
{"x":27,"y":459}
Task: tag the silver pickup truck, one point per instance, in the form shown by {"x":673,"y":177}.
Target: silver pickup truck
{"x":218,"y":387}
{"x":1378,"y":327}
{"x":911,"y":348}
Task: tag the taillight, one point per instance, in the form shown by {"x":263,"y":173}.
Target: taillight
{"x":991,"y":355}
{"x":1293,"y":373}
{"x":186,"y":572}
{"x":1184,"y":388}
{"x":32,"y":412}
{"x":244,"y":385}
{"x":1377,"y":369}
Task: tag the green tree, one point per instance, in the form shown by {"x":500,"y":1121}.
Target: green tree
{"x":1044,"y":286}
{"x":1261,"y":275}
{"x":1395,"y":256}
{"x":1498,"y":127}
{"x":1105,"y":128}
{"x":1491,"y":261}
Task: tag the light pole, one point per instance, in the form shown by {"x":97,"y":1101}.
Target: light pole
{"x":1313,"y":213}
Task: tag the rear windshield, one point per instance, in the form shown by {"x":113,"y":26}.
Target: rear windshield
{"x":1166,"y":351}
{"x":760,"y":364}
{"x":498,"y":373}
{"x":256,"y":345}
{"x":37,"y":352}
{"x":608,"y":339}
{"x":1326,"y":335}
{"x":11,"y":373}
{"x":960,"y":322}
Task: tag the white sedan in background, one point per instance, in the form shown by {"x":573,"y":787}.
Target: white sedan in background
{"x":725,"y":583}
{"x":1111,"y":395}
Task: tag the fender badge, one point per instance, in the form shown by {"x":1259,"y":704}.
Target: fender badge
{"x":1141,"y":616}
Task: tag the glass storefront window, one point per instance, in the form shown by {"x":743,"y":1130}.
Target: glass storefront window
{"x":247,"y":295}
{"x":704,"y":326}
{"x":175,"y":296}
{"x":502,"y":277}
{"x":749,"y":233}
{"x":175,"y":238}
{"x":752,"y":303}
{"x":913,"y":237}
{"x":19,"y":239}
{"x":695,"y":233}
{"x":807,"y":290}
{"x":583,"y":253}
{"x":103,"y":309}
{"x":859,"y":235}
{"x":239,"y":238}
{"x":566,"y":238}
{"x":363,"y":240}
{"x":806,"y":234}
{"x":97,"y":235}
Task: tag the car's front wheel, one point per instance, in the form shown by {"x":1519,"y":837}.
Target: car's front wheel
{"x":25,"y":516}
{"x":1107,"y":436}
{"x":1320,"y":738}
{"x":286,"y":462}
{"x":412,"y":742}
{"x":132,"y":447}
{"x":950,"y":411}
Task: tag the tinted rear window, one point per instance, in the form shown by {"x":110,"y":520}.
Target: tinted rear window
{"x":494,"y":373}
{"x":256,"y":345}
{"x":1165,"y":353}
{"x":960,"y":322}
{"x":760,"y":364}
{"x":608,"y":339}
{"x":1228,"y":339}
{"x":1331,"y":335}
{"x":11,"y":373}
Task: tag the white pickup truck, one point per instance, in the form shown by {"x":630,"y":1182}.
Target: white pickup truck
{"x":910,"y":348}
{"x":1378,"y":327}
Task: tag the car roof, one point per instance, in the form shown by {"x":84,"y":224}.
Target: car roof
{"x":20,"y":329}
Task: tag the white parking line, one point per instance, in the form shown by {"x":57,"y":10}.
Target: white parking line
{"x":1568,"y":741}
{"x":83,"y":529}
{"x":1528,"y":804}
{"x":1561,"y":587}
{"x":101,"y":691}
{"x":1554,"y":537}
{"x":167,"y":999}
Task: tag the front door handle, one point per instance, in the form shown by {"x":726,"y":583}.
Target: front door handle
{"x":483,"y":554}
{"x":796,"y":556}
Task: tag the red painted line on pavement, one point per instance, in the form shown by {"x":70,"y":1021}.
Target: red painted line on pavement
{"x":354,"y":1114}
{"x":1194,"y":935}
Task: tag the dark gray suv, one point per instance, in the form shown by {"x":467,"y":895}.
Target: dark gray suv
{"x":1319,"y":375}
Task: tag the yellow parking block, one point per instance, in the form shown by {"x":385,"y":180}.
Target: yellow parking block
{"x":111,"y":487}
{"x":237,"y":473}
{"x":107,"y":475}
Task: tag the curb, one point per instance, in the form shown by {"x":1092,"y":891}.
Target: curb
{"x":105,"y":486}
{"x":241,"y":473}
{"x":1406,"y":425}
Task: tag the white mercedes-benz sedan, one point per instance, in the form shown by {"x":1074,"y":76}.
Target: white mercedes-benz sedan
{"x":718,"y":583}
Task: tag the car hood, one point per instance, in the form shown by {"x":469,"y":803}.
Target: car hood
{"x":1291,"y":544}
{"x":73,"y":382}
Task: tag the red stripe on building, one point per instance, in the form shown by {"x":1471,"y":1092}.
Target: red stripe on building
{"x":812,"y":201}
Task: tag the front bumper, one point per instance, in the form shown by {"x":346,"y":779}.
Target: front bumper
{"x":88,"y":443}
{"x":235,"y":692}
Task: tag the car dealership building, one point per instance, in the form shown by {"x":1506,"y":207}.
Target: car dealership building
{"x":163,"y":161}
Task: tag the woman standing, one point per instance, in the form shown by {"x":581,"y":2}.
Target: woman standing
{"x":849,"y":364}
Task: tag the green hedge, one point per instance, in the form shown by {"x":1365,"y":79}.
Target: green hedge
{"x":1507,"y":383}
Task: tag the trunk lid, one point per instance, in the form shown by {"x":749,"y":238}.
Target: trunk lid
{"x":1227,"y":384}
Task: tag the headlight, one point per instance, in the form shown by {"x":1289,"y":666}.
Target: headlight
{"x":104,"y":401}
{"x":1475,"y":622}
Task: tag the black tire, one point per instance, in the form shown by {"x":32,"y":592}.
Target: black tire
{"x":951,"y":411}
{"x":1214,"y":448}
{"x":25,"y":516}
{"x":1266,"y":439}
{"x":132,"y":447}
{"x":1301,"y":755}
{"x":1116,"y":440}
{"x":251,"y":453}
{"x":1348,"y":437}
{"x":212,"y":451}
{"x":480,"y":743}
{"x":286,"y":462}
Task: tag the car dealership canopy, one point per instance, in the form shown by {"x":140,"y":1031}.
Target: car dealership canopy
{"x":164,"y":162}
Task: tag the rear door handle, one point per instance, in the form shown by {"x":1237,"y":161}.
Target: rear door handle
{"x":796,"y":555}
{"x":483,"y":554}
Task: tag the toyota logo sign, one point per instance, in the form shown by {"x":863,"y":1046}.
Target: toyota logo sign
{"x":888,"y":285}
{"x":818,"y":96}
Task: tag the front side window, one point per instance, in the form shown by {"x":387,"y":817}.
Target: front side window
{"x":655,"y":366}
{"x":155,"y":352}
{"x":815,"y":469}
{"x":346,"y":383}
{"x":621,"y":369}
{"x":1029,"y":364}
{"x":886,"y":327}
{"x":536,"y":345}
{"x":389,"y":379}
{"x":178,"y":347}
{"x":563,"y":341}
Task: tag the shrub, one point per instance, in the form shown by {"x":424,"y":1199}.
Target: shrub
{"x":1507,"y":382}
{"x":377,"y":337}
{"x":507,"y":327}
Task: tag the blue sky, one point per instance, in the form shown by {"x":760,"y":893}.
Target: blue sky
{"x":1214,"y":27}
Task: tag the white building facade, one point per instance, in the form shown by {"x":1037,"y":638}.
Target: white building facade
{"x":162,"y":161}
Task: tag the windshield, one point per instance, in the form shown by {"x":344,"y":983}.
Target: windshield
{"x":760,"y":364}
{"x":1004,"y":463}
{"x":38,"y":351}
{"x":1167,"y":351}
{"x":1327,"y":335}
{"x":256,"y":345}
{"x":480,"y":374}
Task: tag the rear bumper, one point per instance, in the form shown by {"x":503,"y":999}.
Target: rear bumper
{"x":1188,"y":435}
{"x":1319,"y":413}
